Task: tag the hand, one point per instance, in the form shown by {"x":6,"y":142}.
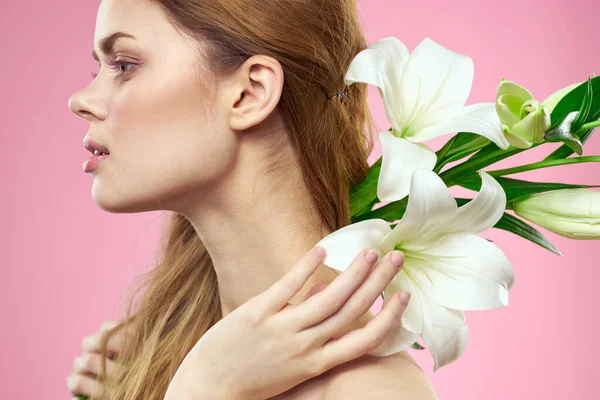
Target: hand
{"x":267,"y":346}
{"x":84,"y":381}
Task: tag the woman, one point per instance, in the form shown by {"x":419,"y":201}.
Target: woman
{"x":217,"y":110}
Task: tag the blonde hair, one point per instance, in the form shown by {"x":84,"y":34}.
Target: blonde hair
{"x":314,"y":41}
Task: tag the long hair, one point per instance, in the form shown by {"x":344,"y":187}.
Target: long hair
{"x":315,"y":42}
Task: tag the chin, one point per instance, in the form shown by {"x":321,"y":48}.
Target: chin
{"x":118,"y":204}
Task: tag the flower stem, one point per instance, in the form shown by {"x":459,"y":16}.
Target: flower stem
{"x":589,"y":125}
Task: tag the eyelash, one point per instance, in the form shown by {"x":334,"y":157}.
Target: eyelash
{"x":115,"y":65}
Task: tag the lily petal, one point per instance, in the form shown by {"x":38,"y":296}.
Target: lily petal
{"x":430,"y":209}
{"x":515,"y":140}
{"x":397,"y":340}
{"x":412,"y":318}
{"x":463,"y":272}
{"x":532,"y":128}
{"x":400,"y":158}
{"x":514,"y":89}
{"x":445,"y":333}
{"x":436,"y":83}
{"x":481,"y":119}
{"x":508,"y":108}
{"x":395,"y":53}
{"x":381,"y":64}
{"x":343,"y":245}
{"x":409,"y":326}
{"x":482,"y":212}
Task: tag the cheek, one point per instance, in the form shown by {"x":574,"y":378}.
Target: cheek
{"x":165,"y":141}
{"x":157,"y":117}
{"x":143,"y":105}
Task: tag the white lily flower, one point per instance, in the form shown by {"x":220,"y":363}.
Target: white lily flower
{"x":424,"y":95}
{"x":447,"y":268}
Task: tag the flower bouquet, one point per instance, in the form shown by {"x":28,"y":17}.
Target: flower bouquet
{"x":448,"y":269}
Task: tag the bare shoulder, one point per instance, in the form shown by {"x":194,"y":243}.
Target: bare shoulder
{"x":397,"y":376}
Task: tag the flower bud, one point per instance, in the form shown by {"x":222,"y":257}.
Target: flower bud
{"x":572,"y":213}
{"x":523,"y":119}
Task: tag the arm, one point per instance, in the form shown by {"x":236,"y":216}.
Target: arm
{"x":375,"y":378}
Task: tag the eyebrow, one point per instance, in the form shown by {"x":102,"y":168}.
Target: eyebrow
{"x":106,"y":44}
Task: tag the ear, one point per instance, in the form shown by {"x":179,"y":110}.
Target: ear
{"x":255,"y":91}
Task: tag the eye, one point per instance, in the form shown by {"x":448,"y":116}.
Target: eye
{"x":117,"y":65}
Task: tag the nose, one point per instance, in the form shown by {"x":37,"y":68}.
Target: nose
{"x":86,"y":105}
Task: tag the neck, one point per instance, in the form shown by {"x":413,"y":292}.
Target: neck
{"x":257,"y":227}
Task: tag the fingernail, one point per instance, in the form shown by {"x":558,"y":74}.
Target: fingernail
{"x":397,"y":258}
{"x":320,"y":252}
{"x":405,"y":297}
{"x":371,"y":256}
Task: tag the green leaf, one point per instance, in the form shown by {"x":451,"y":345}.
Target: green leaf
{"x":417,"y":346}
{"x":390,"y":212}
{"x":518,"y":227}
{"x":364,"y":195}
{"x":441,"y":153}
{"x":516,"y":189}
{"x":488,"y":155}
{"x":460,"y":146}
{"x":571,"y":102}
{"x":521,"y":228}
{"x":565,"y":131}
{"x":544,"y":164}
{"x":586,"y":106}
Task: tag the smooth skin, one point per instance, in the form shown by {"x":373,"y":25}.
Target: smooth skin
{"x":286,"y":344}
{"x":282,"y":344}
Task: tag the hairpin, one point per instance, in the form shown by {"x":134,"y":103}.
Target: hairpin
{"x":341,"y":95}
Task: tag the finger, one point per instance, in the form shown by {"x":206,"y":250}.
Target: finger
{"x":91,"y":363}
{"x":107,"y":325}
{"x":318,"y":287}
{"x":91,"y":344}
{"x":314,"y":290}
{"x":361,"y":300}
{"x":84,"y":385}
{"x":330,"y":300}
{"x":360,"y":341}
{"x":277,"y":296}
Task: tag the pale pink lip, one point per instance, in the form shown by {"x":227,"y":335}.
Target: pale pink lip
{"x":93,"y":162}
{"x":92,"y":146}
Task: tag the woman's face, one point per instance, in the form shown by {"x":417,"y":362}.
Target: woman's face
{"x":150,"y":112}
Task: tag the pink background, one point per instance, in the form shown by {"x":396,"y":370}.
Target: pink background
{"x":67,"y":264}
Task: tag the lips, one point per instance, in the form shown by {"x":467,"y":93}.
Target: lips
{"x":92,"y":146}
